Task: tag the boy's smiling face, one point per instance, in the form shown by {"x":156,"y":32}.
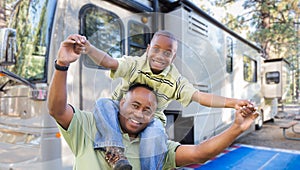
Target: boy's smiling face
{"x":161,"y":53}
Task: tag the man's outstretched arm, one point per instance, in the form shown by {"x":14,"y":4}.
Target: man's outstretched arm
{"x":188,"y":154}
{"x":57,"y":98}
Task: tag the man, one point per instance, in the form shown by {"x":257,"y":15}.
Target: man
{"x":136,"y":111}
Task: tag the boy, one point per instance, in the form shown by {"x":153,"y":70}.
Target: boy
{"x":156,"y":69}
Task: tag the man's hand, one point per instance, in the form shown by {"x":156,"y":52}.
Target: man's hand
{"x":71,"y":48}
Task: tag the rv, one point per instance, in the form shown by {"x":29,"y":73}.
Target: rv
{"x":212,"y":57}
{"x":276,"y":81}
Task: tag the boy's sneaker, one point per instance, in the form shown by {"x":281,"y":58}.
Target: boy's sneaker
{"x":122,"y":164}
{"x":116,"y":158}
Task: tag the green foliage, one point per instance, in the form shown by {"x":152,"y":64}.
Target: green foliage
{"x":273,"y":24}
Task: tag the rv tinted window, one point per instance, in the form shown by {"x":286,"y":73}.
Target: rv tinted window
{"x":250,"y":69}
{"x":103,"y":29}
{"x":272,"y":77}
{"x":138,"y":38}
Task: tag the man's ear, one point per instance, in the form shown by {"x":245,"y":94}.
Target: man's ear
{"x":122,"y":101}
{"x":174,"y":56}
{"x":148,"y":47}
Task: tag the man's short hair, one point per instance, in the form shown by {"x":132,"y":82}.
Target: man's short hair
{"x":135,"y":85}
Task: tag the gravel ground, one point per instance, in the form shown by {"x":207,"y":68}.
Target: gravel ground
{"x":271,"y":135}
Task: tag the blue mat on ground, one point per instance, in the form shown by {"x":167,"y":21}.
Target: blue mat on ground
{"x":244,"y":157}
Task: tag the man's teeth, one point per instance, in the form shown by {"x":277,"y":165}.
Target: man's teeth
{"x":134,"y":121}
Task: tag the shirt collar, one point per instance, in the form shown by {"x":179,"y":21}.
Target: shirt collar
{"x":126,"y":137}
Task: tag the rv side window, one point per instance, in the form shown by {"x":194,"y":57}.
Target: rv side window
{"x":272,"y":77}
{"x":138,"y":38}
{"x":250,"y":69}
{"x":229,"y":55}
{"x":103,"y":29}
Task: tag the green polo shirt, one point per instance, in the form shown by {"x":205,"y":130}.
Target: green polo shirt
{"x":80,"y":138}
{"x":169,"y":84}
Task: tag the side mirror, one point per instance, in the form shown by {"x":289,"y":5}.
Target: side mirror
{"x":8,"y":46}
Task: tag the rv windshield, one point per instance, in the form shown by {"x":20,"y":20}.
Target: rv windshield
{"x":32,"y":21}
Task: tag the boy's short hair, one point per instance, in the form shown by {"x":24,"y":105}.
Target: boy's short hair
{"x":165,"y":33}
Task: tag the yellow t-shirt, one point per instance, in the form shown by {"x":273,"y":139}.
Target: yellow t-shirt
{"x":169,"y":84}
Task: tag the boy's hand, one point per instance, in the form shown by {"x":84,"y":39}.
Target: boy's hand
{"x":82,"y":45}
{"x":245,"y":105}
{"x":71,"y":48}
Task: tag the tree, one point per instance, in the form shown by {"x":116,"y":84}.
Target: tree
{"x":270,"y":24}
{"x":274,"y":25}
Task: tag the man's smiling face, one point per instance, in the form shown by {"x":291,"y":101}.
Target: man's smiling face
{"x":137,"y":110}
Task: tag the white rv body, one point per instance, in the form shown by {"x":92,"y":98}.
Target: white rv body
{"x":213,"y":58}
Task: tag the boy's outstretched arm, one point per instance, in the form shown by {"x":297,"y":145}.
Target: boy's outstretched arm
{"x":188,"y":154}
{"x":100,"y":57}
{"x":211,"y":100}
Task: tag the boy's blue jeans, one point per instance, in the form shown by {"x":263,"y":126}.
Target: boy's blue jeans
{"x":153,"y":140}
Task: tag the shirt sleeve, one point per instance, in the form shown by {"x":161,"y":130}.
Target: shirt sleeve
{"x":79,"y":130}
{"x":170,"y":162}
{"x":185,"y":91}
{"x":126,"y":63}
